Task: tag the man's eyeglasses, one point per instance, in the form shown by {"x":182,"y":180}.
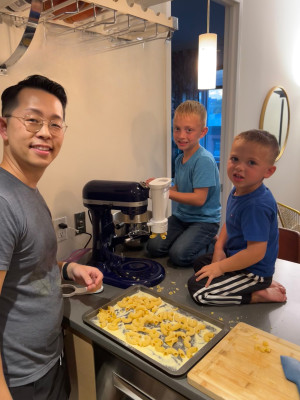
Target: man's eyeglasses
{"x":34,"y":124}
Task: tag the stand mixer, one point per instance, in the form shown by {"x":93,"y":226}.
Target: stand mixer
{"x":131,"y":198}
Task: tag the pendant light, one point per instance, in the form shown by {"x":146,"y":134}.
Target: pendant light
{"x":207,"y":57}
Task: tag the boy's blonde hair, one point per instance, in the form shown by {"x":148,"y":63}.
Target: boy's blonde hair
{"x":192,"y":107}
{"x":264,"y":138}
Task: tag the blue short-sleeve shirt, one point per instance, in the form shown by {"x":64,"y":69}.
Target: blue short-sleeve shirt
{"x":200,"y":171}
{"x":253,"y":217}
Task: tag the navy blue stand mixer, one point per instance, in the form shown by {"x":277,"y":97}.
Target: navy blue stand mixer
{"x":103,"y":198}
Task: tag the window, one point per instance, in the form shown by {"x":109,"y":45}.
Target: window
{"x":212,"y":100}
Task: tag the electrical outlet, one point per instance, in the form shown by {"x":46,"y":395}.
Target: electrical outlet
{"x":80,"y":226}
{"x":61,"y":234}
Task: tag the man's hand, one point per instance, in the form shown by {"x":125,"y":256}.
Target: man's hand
{"x":85,"y":275}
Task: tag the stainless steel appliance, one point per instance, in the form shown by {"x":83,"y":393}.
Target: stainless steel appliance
{"x":118,"y":380}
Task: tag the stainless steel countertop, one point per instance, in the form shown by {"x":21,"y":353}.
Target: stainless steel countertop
{"x":279,"y":319}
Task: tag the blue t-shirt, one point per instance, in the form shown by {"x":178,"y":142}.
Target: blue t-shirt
{"x":253,"y":217}
{"x":200,"y":171}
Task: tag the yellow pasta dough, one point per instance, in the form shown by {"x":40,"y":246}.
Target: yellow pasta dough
{"x":156,"y":328}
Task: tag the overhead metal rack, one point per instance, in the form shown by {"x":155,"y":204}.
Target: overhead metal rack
{"x":107,"y":24}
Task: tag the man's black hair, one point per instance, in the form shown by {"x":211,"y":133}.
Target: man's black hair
{"x":9,"y":97}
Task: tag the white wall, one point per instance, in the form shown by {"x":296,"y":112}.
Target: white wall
{"x":270,"y":56}
{"x":116,"y":116}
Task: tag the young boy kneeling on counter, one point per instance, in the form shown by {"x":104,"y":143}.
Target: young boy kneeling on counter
{"x":241,"y":268}
{"x":194,"y":223}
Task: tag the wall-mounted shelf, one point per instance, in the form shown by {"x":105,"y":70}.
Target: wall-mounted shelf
{"x":109,"y":24}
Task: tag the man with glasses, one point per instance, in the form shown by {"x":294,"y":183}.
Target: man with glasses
{"x":32,"y":128}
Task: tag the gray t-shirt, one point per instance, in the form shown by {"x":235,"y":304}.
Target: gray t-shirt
{"x":31,"y":306}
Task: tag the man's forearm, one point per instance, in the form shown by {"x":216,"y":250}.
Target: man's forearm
{"x":4,"y":391}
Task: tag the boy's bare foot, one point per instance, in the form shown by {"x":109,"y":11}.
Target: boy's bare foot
{"x":273,"y":294}
{"x":279,"y":285}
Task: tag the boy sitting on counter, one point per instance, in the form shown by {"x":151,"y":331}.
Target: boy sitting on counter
{"x":240,"y":269}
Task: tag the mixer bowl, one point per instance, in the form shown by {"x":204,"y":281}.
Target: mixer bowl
{"x":138,"y":232}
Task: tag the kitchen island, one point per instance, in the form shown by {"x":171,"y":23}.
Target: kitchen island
{"x":278,"y":319}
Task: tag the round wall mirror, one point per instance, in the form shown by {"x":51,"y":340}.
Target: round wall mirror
{"x":275,"y":116}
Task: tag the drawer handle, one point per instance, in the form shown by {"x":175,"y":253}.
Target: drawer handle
{"x":126,"y":387}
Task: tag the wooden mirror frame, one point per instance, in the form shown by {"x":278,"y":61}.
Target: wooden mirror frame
{"x":262,"y":124}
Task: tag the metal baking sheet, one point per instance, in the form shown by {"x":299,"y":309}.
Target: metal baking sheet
{"x":89,"y":316}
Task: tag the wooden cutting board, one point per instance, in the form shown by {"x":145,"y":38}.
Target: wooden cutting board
{"x":245,"y":365}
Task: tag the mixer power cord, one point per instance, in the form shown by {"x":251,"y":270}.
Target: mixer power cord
{"x":65,"y":226}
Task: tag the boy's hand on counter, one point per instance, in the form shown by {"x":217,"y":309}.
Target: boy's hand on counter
{"x":86,"y":275}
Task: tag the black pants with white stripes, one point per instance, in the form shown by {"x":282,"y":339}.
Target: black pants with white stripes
{"x":231,"y":288}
